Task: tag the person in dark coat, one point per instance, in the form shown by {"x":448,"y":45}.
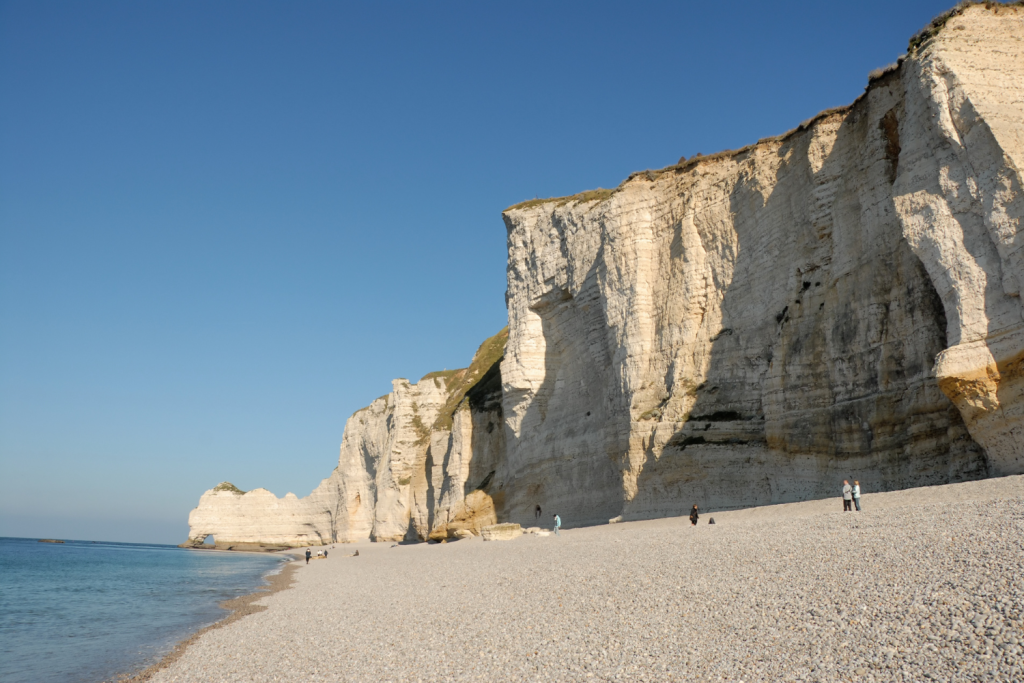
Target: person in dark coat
{"x":309,"y":554}
{"x":694,"y":515}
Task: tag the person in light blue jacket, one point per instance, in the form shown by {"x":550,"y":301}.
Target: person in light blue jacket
{"x":856,"y":494}
{"x":558,"y":524}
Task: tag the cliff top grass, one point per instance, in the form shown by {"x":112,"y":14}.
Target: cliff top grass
{"x":227,"y":486}
{"x":598,"y":195}
{"x":443,"y":374}
{"x":460,"y":382}
{"x":683,"y":165}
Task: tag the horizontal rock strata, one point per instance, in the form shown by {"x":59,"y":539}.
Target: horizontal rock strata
{"x":735,"y":330}
{"x":754,"y":327}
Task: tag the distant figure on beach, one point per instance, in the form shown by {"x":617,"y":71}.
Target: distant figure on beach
{"x":558,"y":524}
{"x":536,"y":513}
{"x":693,"y":515}
{"x":847,"y":496}
{"x":309,"y":554}
{"x":856,"y":494}
{"x":325,"y":553}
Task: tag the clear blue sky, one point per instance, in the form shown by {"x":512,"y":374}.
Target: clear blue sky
{"x":224,"y":227}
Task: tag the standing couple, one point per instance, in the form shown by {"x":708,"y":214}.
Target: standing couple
{"x":851,"y":495}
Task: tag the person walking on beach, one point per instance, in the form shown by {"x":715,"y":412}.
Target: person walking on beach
{"x":856,"y":494}
{"x":309,"y":554}
{"x":693,"y":515}
{"x":558,"y":524}
{"x":847,"y":496}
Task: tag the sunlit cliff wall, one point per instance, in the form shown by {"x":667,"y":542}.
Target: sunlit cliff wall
{"x":752,"y":327}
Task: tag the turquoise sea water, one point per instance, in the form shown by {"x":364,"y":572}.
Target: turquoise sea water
{"x":86,"y":611}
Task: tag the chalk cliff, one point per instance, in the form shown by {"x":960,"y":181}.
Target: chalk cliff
{"x":839,"y":302}
{"x":751,"y":327}
{"x":414,"y":464}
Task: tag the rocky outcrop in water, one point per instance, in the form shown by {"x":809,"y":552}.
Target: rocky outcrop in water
{"x":752,"y":327}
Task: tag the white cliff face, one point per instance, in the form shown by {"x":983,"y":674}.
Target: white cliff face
{"x":364,"y":446}
{"x":752,"y":327}
{"x":400,"y":513}
{"x":959,"y":200}
{"x":476,"y":450}
{"x":841,"y":302}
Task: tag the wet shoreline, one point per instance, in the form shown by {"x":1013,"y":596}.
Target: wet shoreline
{"x":239,"y":607}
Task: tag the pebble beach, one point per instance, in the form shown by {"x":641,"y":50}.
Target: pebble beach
{"x":923,"y":584}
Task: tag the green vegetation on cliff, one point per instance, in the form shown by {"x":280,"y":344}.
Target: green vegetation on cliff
{"x":598,"y":195}
{"x":459,"y":383}
{"x":441,"y":374}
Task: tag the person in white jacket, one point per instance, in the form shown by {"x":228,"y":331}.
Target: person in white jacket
{"x":856,"y":494}
{"x":847,"y":496}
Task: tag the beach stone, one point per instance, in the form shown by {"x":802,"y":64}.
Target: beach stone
{"x":501,"y":532}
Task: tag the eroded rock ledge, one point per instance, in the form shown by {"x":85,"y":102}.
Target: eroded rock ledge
{"x":741,"y":329}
